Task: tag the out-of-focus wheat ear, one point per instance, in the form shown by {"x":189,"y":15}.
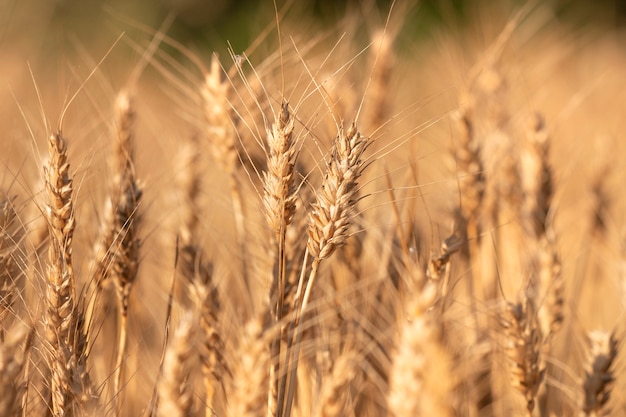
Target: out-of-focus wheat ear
{"x":333,"y":399}
{"x":439,"y":266}
{"x":222,"y":138}
{"x":14,"y":349}
{"x":377,"y":105}
{"x":12,"y":266}
{"x":536,"y":178}
{"x":279,"y":201}
{"x":480,"y":382}
{"x":175,"y":392}
{"x":420,"y":378}
{"x":188,"y":183}
{"x":523,"y":342}
{"x":125,"y":201}
{"x":217,"y":112}
{"x":198,"y":274}
{"x":70,"y":385}
{"x":599,"y":372}
{"x":251,"y":361}
{"x":470,"y":172}
{"x":549,"y":287}
{"x":546,"y":286}
{"x":471,"y":183}
{"x":206,"y":301}
{"x":117,"y":250}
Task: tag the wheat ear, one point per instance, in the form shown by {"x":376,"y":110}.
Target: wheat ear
{"x":523,"y":348}
{"x":248,"y":397}
{"x":12,"y":362}
{"x":127,"y":194}
{"x":198,"y":274}
{"x":117,"y":251}
{"x":329,"y":220}
{"x":175,"y":394}
{"x":599,"y":373}
{"x":537,"y":184}
{"x":64,"y":324}
{"x":378,"y":105}
{"x":279,"y":201}
{"x":333,"y":399}
{"x":222,"y":138}
{"x":420,"y":379}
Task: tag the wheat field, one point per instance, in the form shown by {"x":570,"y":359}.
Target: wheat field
{"x":356,"y":218}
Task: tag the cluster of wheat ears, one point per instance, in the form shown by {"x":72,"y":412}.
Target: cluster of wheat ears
{"x":309,"y":248}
